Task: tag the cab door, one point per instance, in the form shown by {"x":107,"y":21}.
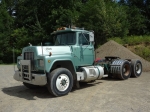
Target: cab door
{"x":84,"y":50}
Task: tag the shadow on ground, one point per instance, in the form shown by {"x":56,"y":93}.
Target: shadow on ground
{"x":115,"y":78}
{"x":86,"y":85}
{"x":111,"y":79}
{"x":40,"y":92}
{"x":29,"y":94}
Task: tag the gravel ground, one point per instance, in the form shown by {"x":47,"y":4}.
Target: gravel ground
{"x":106,"y":95}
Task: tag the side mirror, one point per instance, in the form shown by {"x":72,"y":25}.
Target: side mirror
{"x":91,"y":34}
{"x":93,"y":43}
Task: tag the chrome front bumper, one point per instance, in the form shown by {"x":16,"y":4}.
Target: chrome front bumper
{"x":37,"y":79}
{"x":29,"y":77}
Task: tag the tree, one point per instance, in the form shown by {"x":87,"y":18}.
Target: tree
{"x":146,"y":14}
{"x":138,"y":16}
{"x":35,"y":20}
{"x":40,"y":18}
{"x":137,"y":21}
{"x":6,"y":27}
{"x":108,"y":19}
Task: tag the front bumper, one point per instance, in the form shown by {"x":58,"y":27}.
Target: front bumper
{"x":29,"y":77}
{"x":36,"y":79}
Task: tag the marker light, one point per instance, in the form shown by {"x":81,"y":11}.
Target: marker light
{"x":61,"y":28}
{"x":50,"y":53}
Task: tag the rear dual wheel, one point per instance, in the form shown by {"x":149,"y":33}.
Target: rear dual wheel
{"x":136,"y":68}
{"x":133,"y":69}
{"x":60,"y":82}
{"x":125,"y":71}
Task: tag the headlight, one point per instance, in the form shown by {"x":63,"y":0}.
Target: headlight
{"x":41,"y":63}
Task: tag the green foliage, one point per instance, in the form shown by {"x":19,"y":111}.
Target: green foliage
{"x":143,"y":52}
{"x":136,"y":21}
{"x":132,"y":40}
{"x":36,"y":19}
{"x":46,"y":16}
{"x":138,"y":16}
{"x":108,"y":19}
{"x":6,"y":27}
{"x":20,"y":37}
{"x":117,"y":39}
{"x":146,"y":39}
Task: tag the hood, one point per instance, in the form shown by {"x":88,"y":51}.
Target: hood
{"x":45,"y":50}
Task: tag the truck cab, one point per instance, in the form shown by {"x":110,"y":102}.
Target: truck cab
{"x":72,"y":48}
{"x":78,"y":40}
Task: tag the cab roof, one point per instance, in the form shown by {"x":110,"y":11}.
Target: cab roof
{"x":65,"y":29}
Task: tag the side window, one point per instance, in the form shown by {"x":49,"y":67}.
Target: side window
{"x":83,"y":39}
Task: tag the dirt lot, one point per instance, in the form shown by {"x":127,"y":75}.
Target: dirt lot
{"x":107,"y":95}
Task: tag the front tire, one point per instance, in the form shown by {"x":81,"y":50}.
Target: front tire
{"x":60,"y":82}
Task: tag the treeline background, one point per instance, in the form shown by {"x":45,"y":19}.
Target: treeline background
{"x":32,"y":21}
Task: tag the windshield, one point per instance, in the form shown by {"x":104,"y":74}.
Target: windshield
{"x":68,"y":38}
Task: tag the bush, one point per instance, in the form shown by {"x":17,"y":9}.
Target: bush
{"x":146,"y":39}
{"x":143,"y":52}
{"x":117,"y":39}
{"x":132,"y":40}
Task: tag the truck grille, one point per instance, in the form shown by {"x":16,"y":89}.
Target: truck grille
{"x":29,"y":56}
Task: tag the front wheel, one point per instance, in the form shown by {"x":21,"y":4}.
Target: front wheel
{"x":60,"y":82}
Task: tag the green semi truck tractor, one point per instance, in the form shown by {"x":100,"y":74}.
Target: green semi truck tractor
{"x":70,"y":60}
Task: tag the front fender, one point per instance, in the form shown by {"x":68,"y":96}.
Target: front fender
{"x":52,"y":62}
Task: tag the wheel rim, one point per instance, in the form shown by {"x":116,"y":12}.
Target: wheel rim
{"x":62,"y":82}
{"x":126,"y":70}
{"x":138,"y":68}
